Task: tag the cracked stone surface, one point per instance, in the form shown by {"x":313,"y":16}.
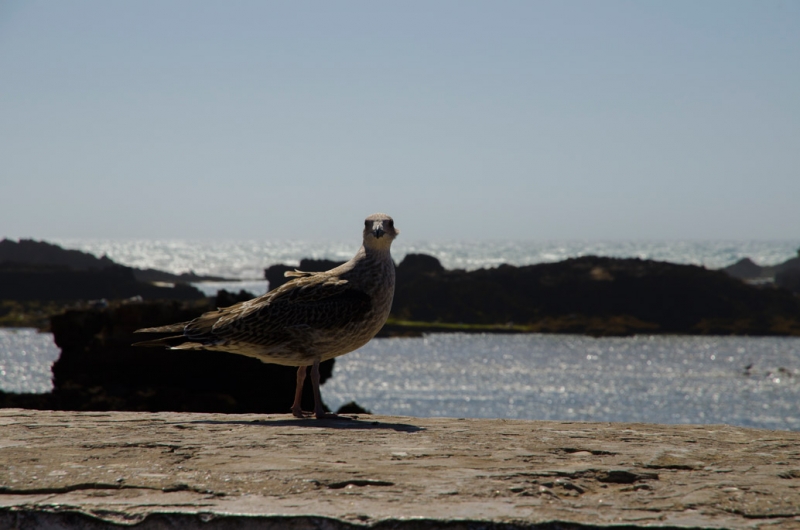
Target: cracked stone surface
{"x":168,"y":470}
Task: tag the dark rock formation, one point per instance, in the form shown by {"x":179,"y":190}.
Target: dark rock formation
{"x":36,"y":270}
{"x":26,"y":282}
{"x":100,"y":370}
{"x":416,"y":264}
{"x":789,"y":264}
{"x":789,"y":279}
{"x":745,"y":269}
{"x":30,"y":252}
{"x":782,"y":274}
{"x":226,"y":299}
{"x":154,"y":275}
{"x":275,"y":277}
{"x":787,"y":274}
{"x":594,"y":295}
{"x":33,"y":252}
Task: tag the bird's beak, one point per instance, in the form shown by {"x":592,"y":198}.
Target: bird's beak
{"x":377,"y":230}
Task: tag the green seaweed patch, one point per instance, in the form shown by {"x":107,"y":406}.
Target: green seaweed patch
{"x":399,"y":327}
{"x":29,"y":314}
{"x":609,"y":326}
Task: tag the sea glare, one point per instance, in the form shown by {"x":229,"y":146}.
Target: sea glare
{"x":752,"y":382}
{"x":745,"y":381}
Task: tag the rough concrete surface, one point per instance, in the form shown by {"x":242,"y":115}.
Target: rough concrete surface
{"x":179,"y":470}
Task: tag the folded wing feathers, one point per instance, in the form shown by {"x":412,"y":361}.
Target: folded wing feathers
{"x":298,"y":274}
{"x":170,"y":328}
{"x":272,"y":312}
{"x":166,"y":342}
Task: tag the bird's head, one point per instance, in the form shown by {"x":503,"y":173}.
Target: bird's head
{"x":379,"y":231}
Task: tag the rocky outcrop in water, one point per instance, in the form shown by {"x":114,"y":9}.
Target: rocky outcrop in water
{"x":785,"y":275}
{"x":789,"y":279}
{"x":40,"y":255}
{"x":596,"y":295}
{"x":25,"y":282}
{"x":99,"y":369}
{"x":28,"y":251}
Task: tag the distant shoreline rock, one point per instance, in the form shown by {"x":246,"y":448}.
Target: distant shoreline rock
{"x":25,"y":283}
{"x":785,"y":275}
{"x":37,"y":271}
{"x":42,"y":253}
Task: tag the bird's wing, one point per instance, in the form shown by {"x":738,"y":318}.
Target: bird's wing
{"x":298,"y":274}
{"x":169,"y":328}
{"x":317,"y":302}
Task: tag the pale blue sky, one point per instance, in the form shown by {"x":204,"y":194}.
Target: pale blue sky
{"x":463,"y":120}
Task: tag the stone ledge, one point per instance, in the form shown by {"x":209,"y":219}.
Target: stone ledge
{"x":94,"y":470}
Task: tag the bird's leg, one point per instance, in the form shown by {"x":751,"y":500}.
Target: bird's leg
{"x":297,"y":408}
{"x":319,"y":411}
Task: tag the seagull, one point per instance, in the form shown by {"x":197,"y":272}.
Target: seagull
{"x":314,"y":317}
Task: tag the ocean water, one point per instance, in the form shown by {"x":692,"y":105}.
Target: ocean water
{"x":26,"y":360}
{"x":752,"y":382}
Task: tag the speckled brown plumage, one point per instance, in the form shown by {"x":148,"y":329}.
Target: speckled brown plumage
{"x":314,"y":317}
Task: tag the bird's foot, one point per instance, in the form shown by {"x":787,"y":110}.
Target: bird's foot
{"x":300,"y":413}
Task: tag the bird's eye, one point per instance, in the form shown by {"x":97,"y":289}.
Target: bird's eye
{"x":390,"y":223}
{"x":366,"y":223}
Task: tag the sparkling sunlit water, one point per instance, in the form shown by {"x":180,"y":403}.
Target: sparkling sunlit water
{"x":26,"y":359}
{"x":657,"y":379}
{"x":744,"y":381}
